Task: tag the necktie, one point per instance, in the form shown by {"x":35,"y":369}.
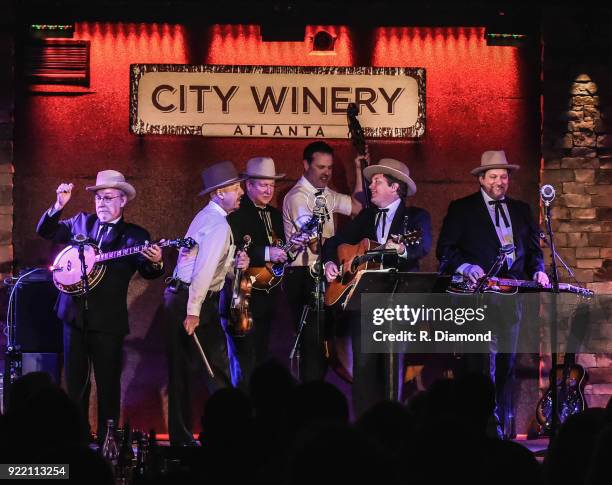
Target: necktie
{"x":105,"y":228}
{"x":381,"y":214}
{"x":499,"y":210}
{"x":264,"y":213}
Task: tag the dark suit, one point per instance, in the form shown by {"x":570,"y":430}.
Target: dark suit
{"x":252,"y":349}
{"x":370,"y":371}
{"x":468,"y":236}
{"x":107,"y":317}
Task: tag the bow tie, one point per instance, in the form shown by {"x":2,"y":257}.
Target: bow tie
{"x":499,"y":210}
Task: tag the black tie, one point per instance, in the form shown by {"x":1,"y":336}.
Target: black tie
{"x":105,"y":228}
{"x":499,"y":210}
{"x":264,"y":213}
{"x":382,"y":214}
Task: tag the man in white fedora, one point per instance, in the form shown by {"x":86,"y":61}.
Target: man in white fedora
{"x":93,"y":338}
{"x":473,"y":231}
{"x":191,"y":300}
{"x":390,"y":185}
{"x":264,"y":223}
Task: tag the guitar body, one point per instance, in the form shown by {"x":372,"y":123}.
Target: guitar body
{"x":510,"y":286}
{"x":347,"y":254}
{"x":571,"y":380}
{"x":264,"y":278}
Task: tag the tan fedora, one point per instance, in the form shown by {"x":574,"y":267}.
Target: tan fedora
{"x":111,"y":179}
{"x":219,"y":175}
{"x":493,"y":159}
{"x":392,"y":167}
{"x":262,"y":168}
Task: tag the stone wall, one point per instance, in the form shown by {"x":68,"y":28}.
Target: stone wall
{"x":577,"y":160}
{"x":7,"y":105}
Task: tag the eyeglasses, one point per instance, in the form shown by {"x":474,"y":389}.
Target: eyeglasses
{"x":107,"y":199}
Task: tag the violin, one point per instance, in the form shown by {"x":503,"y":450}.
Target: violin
{"x":240,"y":321}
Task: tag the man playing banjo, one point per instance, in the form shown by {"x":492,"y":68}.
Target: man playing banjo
{"x":93,"y":336}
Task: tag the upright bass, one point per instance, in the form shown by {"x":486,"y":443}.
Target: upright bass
{"x":358,"y":139}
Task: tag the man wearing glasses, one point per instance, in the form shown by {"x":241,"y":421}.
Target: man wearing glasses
{"x":93,"y":337}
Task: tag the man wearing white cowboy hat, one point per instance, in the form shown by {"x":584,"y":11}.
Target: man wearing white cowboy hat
{"x":95,"y":336}
{"x":390,"y":184}
{"x":264,"y":223}
{"x":473,"y":231}
{"x":191,"y":300}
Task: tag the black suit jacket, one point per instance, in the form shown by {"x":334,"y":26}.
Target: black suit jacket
{"x":246,"y":220}
{"x":363,"y":226}
{"x":108,"y":300}
{"x":468,"y":236}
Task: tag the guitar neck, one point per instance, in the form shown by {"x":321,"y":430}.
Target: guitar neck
{"x":121,"y":253}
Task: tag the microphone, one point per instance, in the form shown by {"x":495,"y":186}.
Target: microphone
{"x":547,"y":193}
{"x":320,"y":208}
{"x":79,"y":238}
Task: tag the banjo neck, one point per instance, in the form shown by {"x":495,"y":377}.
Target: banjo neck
{"x":120,"y":253}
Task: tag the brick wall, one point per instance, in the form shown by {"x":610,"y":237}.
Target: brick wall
{"x":577,"y":160}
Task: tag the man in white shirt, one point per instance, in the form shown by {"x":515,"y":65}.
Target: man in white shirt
{"x":298,"y":206}
{"x":191,"y":301}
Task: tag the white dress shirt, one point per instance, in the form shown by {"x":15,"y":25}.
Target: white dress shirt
{"x":206,"y":265}
{"x":297,"y":210}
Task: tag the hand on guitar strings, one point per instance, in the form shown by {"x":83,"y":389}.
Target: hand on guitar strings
{"x":541,"y":278}
{"x":473,"y":272}
{"x":277,"y":255}
{"x":64,"y":192}
{"x":331,"y":271}
{"x":190,"y":323}
{"x":392,"y":243}
{"x":242,"y":260}
{"x":153,"y":253}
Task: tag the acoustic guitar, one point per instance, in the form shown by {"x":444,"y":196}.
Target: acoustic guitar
{"x":571,"y":379}
{"x":364,"y":255}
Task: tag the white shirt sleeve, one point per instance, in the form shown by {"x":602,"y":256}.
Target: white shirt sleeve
{"x":342,"y":203}
{"x":211,"y":249}
{"x":295,"y":208}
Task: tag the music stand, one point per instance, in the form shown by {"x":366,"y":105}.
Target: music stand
{"x":391,"y":281}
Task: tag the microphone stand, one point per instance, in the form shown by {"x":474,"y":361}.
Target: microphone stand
{"x":559,"y":258}
{"x":553,"y":324}
{"x":80,"y":240}
{"x":495,"y":267}
{"x":320,"y":212}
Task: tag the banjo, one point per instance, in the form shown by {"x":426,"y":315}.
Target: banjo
{"x":66,"y":268}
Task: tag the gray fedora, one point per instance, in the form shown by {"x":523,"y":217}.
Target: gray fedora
{"x":493,"y":159}
{"x":262,"y":168}
{"x":219,"y":175}
{"x":392,"y":167}
{"x":111,"y":179}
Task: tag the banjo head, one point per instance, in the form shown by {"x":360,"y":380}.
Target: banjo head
{"x":67,"y":269}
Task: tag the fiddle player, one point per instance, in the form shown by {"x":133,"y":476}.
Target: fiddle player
{"x":191,"y":300}
{"x":390,"y":185}
{"x":264,"y":223}
{"x":93,"y":338}
{"x":473,"y":231}
{"x":298,"y":205}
